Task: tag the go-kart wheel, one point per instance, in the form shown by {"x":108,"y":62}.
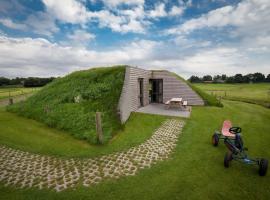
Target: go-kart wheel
{"x":263,"y":165}
{"x":227,"y":158}
{"x":215,"y":139}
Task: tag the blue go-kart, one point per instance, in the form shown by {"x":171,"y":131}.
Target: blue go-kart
{"x":236,"y":150}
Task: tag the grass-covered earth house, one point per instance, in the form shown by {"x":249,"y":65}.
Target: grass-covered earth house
{"x":70,"y":103}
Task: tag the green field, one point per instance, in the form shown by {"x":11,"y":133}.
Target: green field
{"x":6,"y":92}
{"x":195,"y":170}
{"x":258,"y":93}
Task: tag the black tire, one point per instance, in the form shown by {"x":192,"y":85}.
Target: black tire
{"x":215,"y":139}
{"x":263,"y":165}
{"x":227,"y":159}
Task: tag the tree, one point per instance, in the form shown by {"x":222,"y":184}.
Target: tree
{"x":4,"y":81}
{"x":238,"y":78}
{"x":230,"y":79}
{"x":258,"y":77}
{"x":217,"y":79}
{"x":223,"y":77}
{"x":207,"y":78}
{"x":195,"y":79}
{"x":267,"y":78}
{"x":248,"y":78}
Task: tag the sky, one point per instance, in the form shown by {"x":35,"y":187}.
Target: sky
{"x":190,"y":37}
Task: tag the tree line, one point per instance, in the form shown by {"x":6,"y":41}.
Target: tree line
{"x":26,"y":82}
{"x":237,"y":78}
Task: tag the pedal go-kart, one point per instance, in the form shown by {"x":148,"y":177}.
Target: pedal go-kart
{"x":228,"y":131}
{"x":237,"y":151}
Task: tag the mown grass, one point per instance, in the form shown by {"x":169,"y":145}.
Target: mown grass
{"x":70,"y":103}
{"x":29,"y":135}
{"x":195,"y":170}
{"x":257,"y":93}
{"x":6,"y":92}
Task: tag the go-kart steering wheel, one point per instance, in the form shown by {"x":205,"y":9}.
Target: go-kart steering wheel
{"x":235,"y":130}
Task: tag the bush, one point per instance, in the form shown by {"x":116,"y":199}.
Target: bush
{"x":70,"y":103}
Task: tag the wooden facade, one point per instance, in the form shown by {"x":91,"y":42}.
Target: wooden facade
{"x":137,"y":87}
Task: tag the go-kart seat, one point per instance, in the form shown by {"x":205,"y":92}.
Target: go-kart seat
{"x":227,"y":124}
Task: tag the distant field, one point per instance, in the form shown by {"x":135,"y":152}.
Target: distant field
{"x":5,"y":92}
{"x":253,"y":93}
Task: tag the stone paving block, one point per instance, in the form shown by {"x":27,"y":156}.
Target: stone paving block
{"x":26,"y":170}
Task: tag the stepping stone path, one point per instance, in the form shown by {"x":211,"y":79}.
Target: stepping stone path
{"x":25,"y":170}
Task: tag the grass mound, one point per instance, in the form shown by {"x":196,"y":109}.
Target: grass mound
{"x":70,"y":103}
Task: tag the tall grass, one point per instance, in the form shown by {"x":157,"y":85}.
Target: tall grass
{"x":70,"y":103}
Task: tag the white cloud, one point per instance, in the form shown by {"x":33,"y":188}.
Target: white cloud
{"x":10,"y":24}
{"x":80,"y":38}
{"x":246,"y":16}
{"x":42,"y":23}
{"x":39,"y":57}
{"x":119,"y":2}
{"x":159,"y":11}
{"x":81,"y":35}
{"x":71,"y":11}
{"x":176,"y":11}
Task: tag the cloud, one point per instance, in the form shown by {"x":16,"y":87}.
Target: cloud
{"x":80,"y":37}
{"x":71,"y":11}
{"x":39,"y":57}
{"x":245,"y":16}
{"x":176,"y":11}
{"x":159,"y":11}
{"x":42,"y":23}
{"x":10,"y":24}
{"x":114,"y":3}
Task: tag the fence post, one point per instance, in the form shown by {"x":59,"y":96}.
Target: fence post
{"x":10,"y":101}
{"x":99,"y":128}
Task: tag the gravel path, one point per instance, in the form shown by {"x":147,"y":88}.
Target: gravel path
{"x":25,"y":170}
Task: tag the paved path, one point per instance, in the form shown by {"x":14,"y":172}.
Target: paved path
{"x":25,"y":170}
{"x":160,"y":109}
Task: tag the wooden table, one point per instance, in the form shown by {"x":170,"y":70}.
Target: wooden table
{"x":175,"y":102}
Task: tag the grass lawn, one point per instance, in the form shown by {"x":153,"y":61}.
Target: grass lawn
{"x":29,"y":135}
{"x":258,"y":93}
{"x":5,"y":92}
{"x":195,"y":170}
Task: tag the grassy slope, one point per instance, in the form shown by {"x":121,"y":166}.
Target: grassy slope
{"x":38,"y":138}
{"x":15,"y":91}
{"x":54,"y":105}
{"x":258,"y":93}
{"x":208,"y":99}
{"x":196,"y":170}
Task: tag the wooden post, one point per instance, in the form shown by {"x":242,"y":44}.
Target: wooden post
{"x":10,"y":101}
{"x":99,"y":128}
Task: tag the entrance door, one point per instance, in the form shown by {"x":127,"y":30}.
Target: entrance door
{"x":156,"y":90}
{"x":140,"y":80}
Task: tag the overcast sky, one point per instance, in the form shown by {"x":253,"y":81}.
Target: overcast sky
{"x":189,"y":37}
